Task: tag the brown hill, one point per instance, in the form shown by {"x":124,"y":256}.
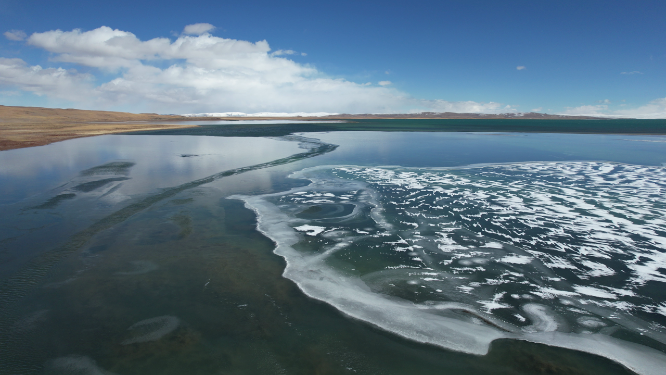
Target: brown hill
{"x":34,"y":126}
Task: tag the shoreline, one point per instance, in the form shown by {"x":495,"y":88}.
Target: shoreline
{"x":22,"y":127}
{"x":38,"y":134}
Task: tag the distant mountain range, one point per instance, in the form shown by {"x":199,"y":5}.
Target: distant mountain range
{"x":422,"y":115}
{"x":452,"y":115}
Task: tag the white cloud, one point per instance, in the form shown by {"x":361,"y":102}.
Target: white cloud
{"x":198,"y":28}
{"x":283,"y":52}
{"x":52,"y":82}
{"x":384,"y":83}
{"x":632,"y":73}
{"x":586,"y":110}
{"x":653,"y":110}
{"x":462,"y":107}
{"x":201,"y":73}
{"x":605,"y":101}
{"x":537,"y":109}
{"x":520,"y":67}
{"x":15,"y":35}
{"x":656,"y":109}
{"x":100,"y":48}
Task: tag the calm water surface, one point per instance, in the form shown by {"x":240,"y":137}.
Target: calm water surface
{"x":122,"y":254}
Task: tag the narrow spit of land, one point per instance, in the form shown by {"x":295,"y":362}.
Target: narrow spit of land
{"x":33,"y":126}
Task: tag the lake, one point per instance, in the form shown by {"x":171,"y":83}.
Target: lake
{"x":209,"y":251}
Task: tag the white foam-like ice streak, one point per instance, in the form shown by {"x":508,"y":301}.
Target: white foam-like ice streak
{"x":310,"y":230}
{"x":352,"y":297}
{"x":638,"y":358}
{"x":590,"y":218}
{"x":544,"y":320}
{"x":516,"y":259}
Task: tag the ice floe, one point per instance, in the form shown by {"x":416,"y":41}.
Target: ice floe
{"x":562,"y":253}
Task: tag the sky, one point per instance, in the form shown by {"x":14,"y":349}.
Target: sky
{"x":605,"y":58}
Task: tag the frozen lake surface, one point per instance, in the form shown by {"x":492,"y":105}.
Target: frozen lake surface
{"x":459,"y":251}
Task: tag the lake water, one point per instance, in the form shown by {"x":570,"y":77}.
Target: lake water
{"x":397,"y":253}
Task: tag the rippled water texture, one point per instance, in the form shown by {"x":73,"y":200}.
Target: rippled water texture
{"x":124,"y":254}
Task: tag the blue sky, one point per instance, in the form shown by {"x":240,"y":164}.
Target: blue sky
{"x":579,"y":57}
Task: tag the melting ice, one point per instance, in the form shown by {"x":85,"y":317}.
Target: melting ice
{"x":570,"y":254}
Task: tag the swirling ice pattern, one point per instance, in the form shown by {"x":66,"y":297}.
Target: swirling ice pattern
{"x":586,"y":240}
{"x":568,"y":254}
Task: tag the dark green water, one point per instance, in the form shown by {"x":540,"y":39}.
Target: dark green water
{"x":614,"y":126}
{"x":121,"y":254}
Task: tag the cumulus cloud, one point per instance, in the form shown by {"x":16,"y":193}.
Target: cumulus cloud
{"x":51,"y":82}
{"x":198,"y":28}
{"x":463,"y":106}
{"x":384,"y":83}
{"x":100,"y":48}
{"x":655,"y":109}
{"x":520,"y":67}
{"x":15,"y":35}
{"x":587,"y":110}
{"x":199,"y":72}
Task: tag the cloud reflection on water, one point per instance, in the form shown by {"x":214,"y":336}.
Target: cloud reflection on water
{"x":161,"y":161}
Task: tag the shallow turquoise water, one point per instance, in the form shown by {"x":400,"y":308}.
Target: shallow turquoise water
{"x":123,"y":254}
